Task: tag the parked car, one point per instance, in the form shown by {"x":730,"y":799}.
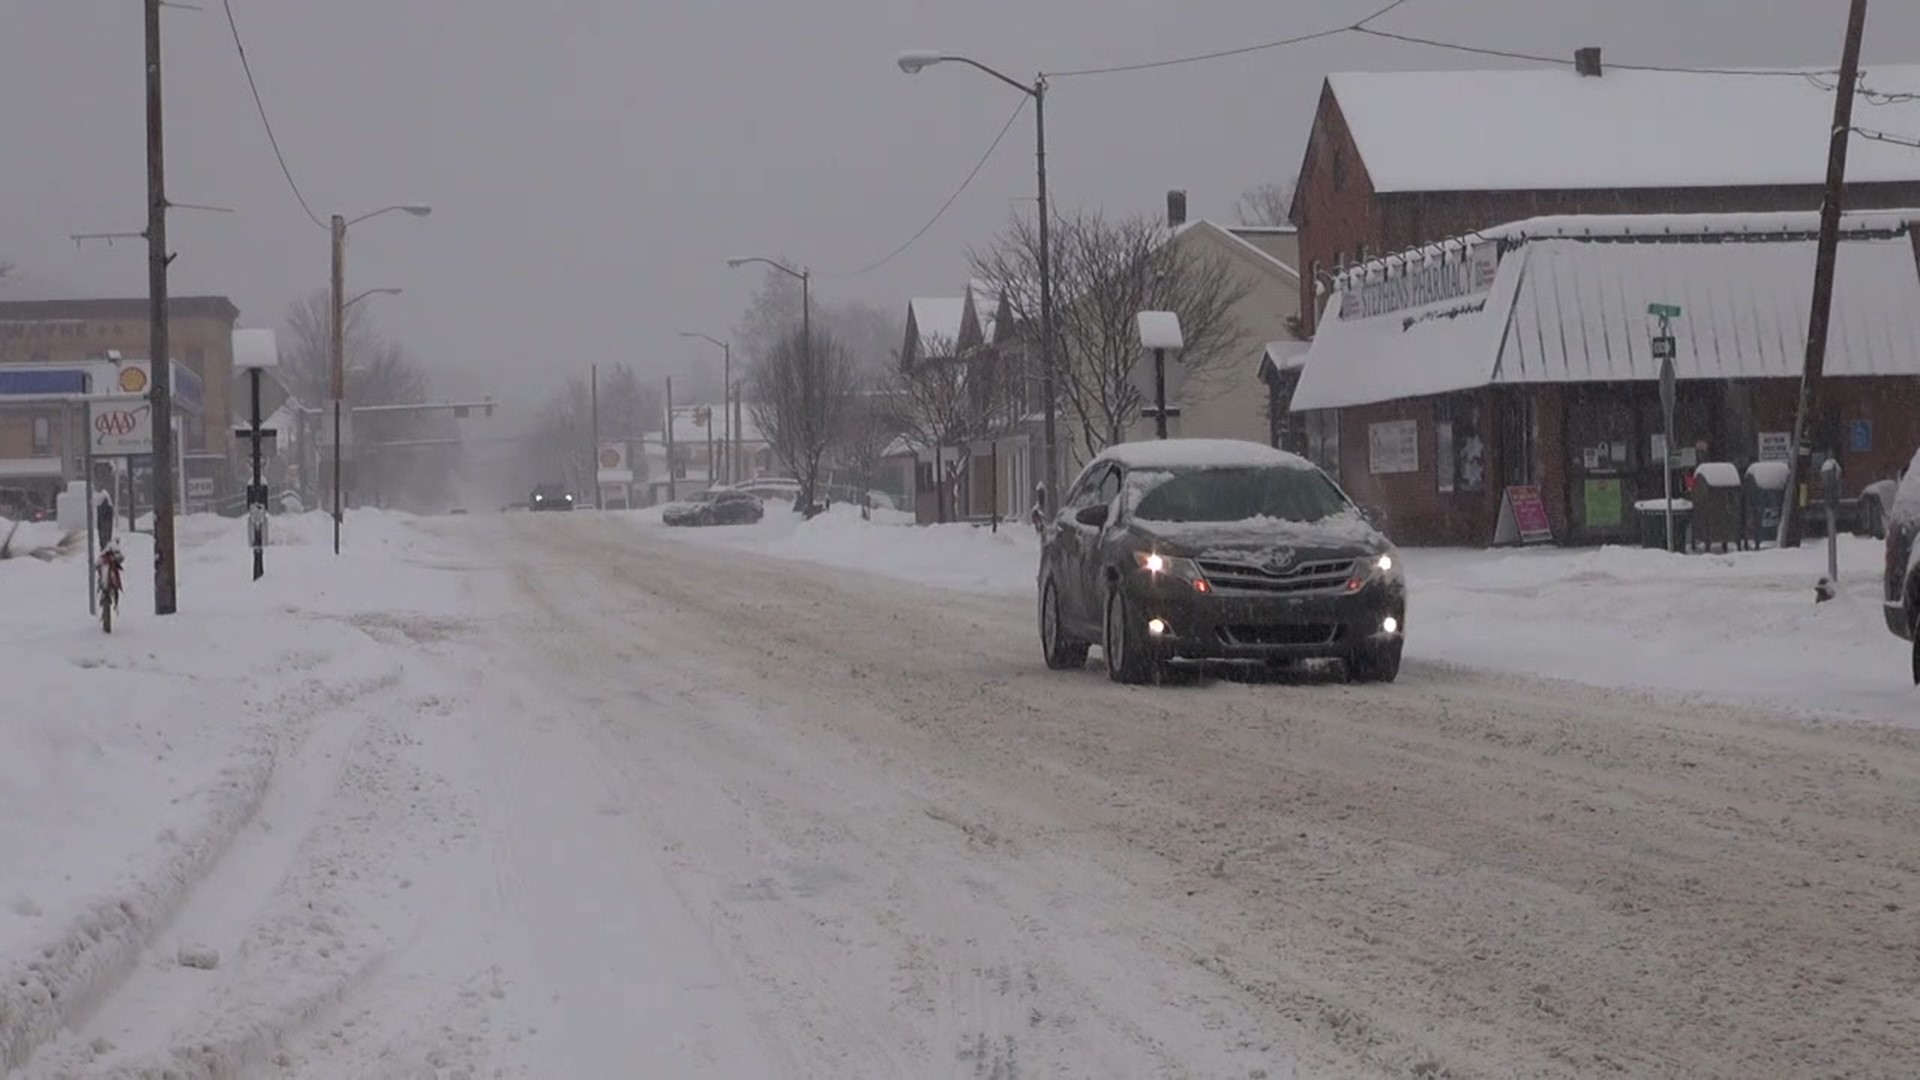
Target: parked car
{"x":716,"y":506}
{"x":1875,"y":498}
{"x":1203,"y":549}
{"x":1902,"y":596}
{"x":17,"y":504}
{"x":550,"y":497}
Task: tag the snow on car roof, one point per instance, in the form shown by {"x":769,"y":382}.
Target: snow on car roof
{"x":1199,"y":454}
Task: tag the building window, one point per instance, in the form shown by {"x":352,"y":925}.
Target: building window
{"x":1320,"y":435}
{"x":197,"y":360}
{"x":1339,"y":168}
{"x":1460,"y":450}
{"x":42,"y":436}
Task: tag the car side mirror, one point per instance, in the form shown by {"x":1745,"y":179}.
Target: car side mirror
{"x":1094,"y":517}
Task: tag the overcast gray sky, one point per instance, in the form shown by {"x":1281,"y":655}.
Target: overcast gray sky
{"x":591,"y":163}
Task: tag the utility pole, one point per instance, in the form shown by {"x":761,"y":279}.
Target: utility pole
{"x":165,"y":596}
{"x":1046,"y":294}
{"x":338,"y":363}
{"x":1792,"y":525}
{"x":726,"y":396}
{"x":673,"y":488}
{"x":593,"y":424}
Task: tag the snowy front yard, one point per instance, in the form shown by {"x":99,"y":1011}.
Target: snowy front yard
{"x":1741,"y":626}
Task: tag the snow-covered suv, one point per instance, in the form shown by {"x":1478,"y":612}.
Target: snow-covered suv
{"x":1903,"y":562}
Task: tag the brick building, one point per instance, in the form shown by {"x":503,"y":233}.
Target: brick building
{"x":40,"y":445}
{"x":1396,"y":160}
{"x":1521,"y":356}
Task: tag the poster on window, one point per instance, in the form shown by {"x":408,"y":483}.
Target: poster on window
{"x":1393,"y":447}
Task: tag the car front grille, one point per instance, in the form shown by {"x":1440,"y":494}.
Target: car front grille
{"x":1282,"y":634}
{"x":1326,"y":575}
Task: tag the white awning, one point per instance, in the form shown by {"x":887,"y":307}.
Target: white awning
{"x":1567,"y":310}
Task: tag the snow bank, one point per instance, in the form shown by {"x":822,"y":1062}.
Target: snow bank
{"x":964,"y":557}
{"x":138,"y":756}
{"x":1742,"y":626}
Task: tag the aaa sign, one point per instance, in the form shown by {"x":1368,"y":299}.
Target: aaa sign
{"x":120,"y":430}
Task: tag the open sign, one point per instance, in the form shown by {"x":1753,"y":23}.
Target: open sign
{"x":119,"y":430}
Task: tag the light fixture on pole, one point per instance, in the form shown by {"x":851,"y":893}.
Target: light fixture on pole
{"x":913,"y":62}
{"x":726,"y":400}
{"x":338,"y":364}
{"x":1159,"y":332}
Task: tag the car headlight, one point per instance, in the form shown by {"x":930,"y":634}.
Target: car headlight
{"x":1157,"y":565}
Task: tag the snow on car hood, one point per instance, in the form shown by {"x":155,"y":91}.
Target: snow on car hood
{"x":1225,"y":539}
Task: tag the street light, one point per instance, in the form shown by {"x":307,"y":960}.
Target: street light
{"x":913,"y":62}
{"x":371,"y":292}
{"x":339,"y":363}
{"x":726,"y":405}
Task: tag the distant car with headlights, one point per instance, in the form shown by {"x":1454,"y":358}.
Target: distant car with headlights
{"x":1204,"y":549}
{"x":550,"y":497}
{"x":716,"y":506}
{"x":1902,"y":596}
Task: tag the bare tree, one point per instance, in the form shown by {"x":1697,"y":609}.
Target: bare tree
{"x":869,"y":334}
{"x":1266,"y":204}
{"x":1105,"y":273}
{"x":936,"y":412}
{"x":404,"y":462}
{"x":875,"y":422}
{"x":801,"y":399}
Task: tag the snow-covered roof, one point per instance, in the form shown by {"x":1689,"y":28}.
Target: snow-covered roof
{"x":1559,"y":308}
{"x":1229,"y":236}
{"x":938,"y":320}
{"x":1197,"y":454}
{"x":1287,"y":354}
{"x":1552,"y":128}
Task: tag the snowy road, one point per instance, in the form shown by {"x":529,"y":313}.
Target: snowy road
{"x":660,"y":809}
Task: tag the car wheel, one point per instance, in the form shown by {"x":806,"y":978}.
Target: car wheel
{"x":1061,"y":653}
{"x":1127,"y":658}
{"x":1376,"y":663}
{"x":1913,"y":631}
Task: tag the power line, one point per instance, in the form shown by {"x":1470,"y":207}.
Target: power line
{"x":1867,"y":93}
{"x":951,"y":199}
{"x":1507,"y":54}
{"x":1224,"y":53}
{"x":1885,"y":137}
{"x":266,"y":123}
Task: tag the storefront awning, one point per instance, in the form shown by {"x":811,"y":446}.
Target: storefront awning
{"x":1570,"y":310}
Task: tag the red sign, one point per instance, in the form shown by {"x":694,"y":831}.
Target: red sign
{"x":1528,"y":514}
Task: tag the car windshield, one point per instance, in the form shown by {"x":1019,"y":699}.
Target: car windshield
{"x":1236,"y":494}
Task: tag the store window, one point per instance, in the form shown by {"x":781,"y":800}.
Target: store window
{"x":1460,"y":451}
{"x":42,"y":436}
{"x":1320,"y":432}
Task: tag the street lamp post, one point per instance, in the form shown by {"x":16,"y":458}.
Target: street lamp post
{"x":726,"y":398}
{"x":338,"y":344}
{"x":912,"y":63}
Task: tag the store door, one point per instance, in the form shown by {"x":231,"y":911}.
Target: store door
{"x":1603,"y":456}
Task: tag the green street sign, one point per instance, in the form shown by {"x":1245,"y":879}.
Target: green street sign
{"x":1664,"y":311}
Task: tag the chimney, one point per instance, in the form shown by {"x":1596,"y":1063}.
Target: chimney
{"x":1587,"y":61}
{"x":1176,"y":208}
